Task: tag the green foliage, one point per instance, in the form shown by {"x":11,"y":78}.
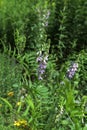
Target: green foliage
{"x":9,"y":74}
{"x":56,"y":28}
{"x":68,"y":32}
{"x":6,"y":102}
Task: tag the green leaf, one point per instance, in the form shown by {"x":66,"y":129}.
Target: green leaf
{"x":85,"y":128}
{"x":42,"y":90}
{"x":19,"y":108}
{"x":65,"y":122}
{"x":7,"y":103}
{"x":26,"y":111}
{"x":30,"y":102}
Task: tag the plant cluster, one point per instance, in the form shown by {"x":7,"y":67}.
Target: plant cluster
{"x":43,"y":65}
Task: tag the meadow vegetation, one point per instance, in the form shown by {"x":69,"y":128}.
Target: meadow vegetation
{"x":43,"y":65}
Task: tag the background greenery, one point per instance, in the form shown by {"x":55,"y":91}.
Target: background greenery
{"x":58,"y":28}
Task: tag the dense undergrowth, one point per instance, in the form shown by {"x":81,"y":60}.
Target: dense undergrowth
{"x":43,"y":65}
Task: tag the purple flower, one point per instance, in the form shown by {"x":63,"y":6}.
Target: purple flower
{"x":72,"y":70}
{"x":42,"y":63}
{"x":75,"y":65}
{"x":42,"y":71}
{"x":39,"y":59}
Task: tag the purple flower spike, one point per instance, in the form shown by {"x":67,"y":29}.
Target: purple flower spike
{"x":42,"y":61}
{"x":72,"y":70}
{"x":42,"y":66}
{"x":42,"y":71}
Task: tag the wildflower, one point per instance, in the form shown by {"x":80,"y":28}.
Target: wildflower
{"x":46,"y":17}
{"x":10,"y":94}
{"x":71,"y":71}
{"x":23,"y":122}
{"x":39,"y":59}
{"x":18,"y":104}
{"x":42,"y":60}
{"x":19,"y":123}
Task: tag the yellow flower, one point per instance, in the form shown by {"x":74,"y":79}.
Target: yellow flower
{"x":23,"y":122}
{"x":20,"y":123}
{"x":17,"y":123}
{"x":18,"y":104}
{"x":10,"y":94}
